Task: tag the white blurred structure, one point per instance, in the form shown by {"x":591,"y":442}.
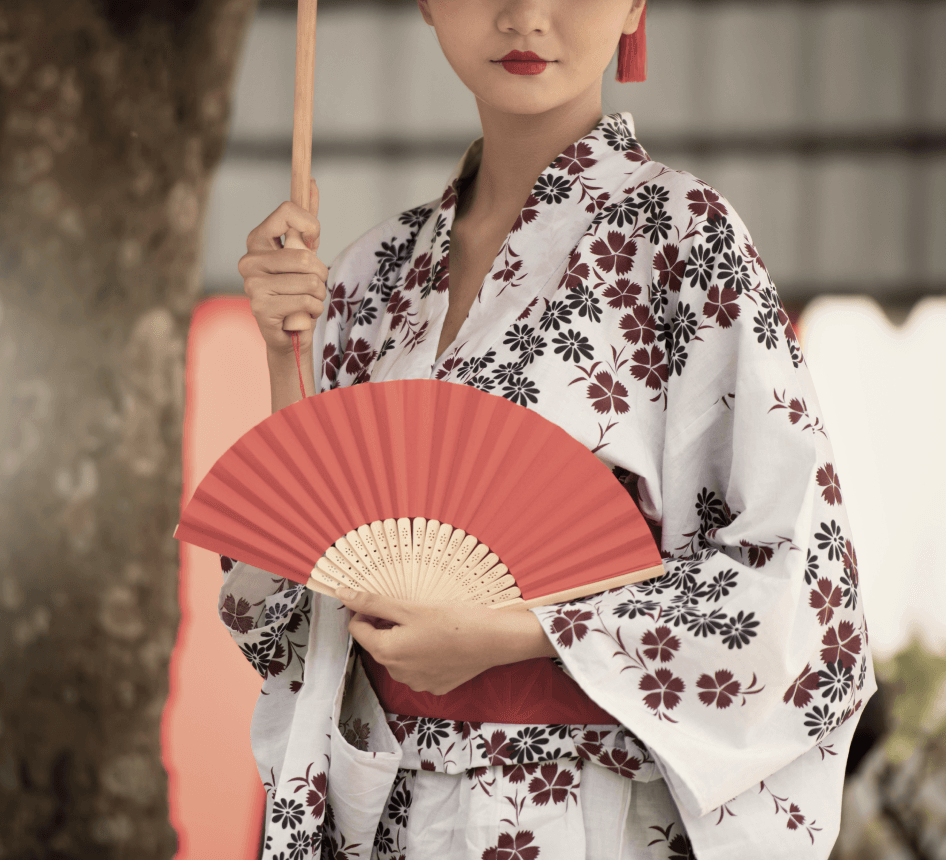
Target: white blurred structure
{"x":882,"y":391}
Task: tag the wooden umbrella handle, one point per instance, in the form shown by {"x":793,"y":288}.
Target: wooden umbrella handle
{"x":302,"y":135}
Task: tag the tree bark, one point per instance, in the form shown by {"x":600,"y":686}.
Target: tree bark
{"x":113,"y":118}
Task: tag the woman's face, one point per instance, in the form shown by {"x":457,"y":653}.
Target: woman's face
{"x":577,"y":38}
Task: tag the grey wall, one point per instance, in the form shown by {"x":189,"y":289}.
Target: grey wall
{"x":823,"y":123}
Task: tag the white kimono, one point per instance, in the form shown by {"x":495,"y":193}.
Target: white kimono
{"x":629,"y":306}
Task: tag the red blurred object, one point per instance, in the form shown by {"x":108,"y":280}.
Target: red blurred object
{"x":215,"y":794}
{"x":531,"y":691}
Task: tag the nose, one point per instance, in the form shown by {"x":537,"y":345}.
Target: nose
{"x":524,"y":17}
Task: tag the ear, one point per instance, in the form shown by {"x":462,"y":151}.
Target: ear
{"x":631,"y":23}
{"x":425,"y":11}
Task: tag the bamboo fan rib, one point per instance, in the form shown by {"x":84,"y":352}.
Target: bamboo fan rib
{"x":423,"y":560}
{"x":424,"y":490}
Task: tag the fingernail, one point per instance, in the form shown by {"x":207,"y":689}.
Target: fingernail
{"x":344,"y":593}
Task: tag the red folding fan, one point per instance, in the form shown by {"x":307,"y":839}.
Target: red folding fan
{"x":424,"y":490}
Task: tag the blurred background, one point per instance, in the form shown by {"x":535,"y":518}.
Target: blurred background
{"x":823,"y":123}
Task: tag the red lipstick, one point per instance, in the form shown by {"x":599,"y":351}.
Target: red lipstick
{"x":523,"y":63}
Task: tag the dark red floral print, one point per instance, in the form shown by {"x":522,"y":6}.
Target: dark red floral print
{"x":666,"y":690}
{"x":842,"y":644}
{"x":799,"y":694}
{"x":617,"y":254}
{"x":607,"y":394}
{"x":552,"y":785}
{"x":570,"y":626}
{"x":828,"y":479}
{"x":516,"y":846}
{"x":825,"y":598}
{"x":660,"y":644}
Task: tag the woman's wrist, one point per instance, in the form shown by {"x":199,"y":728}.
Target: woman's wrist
{"x":520,"y":636}
{"x":284,"y":375}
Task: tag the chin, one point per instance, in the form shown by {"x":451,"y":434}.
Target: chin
{"x":501,"y":99}
{"x":525,"y":108}
{"x":510,"y":93}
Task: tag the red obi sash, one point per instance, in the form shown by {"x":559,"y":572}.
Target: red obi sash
{"x":531,"y":691}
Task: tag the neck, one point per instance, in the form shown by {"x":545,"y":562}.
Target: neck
{"x":517,"y":148}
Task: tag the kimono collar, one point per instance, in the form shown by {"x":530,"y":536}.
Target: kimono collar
{"x":614,"y":131}
{"x":565,"y":199}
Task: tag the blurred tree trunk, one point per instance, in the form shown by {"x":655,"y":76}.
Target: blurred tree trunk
{"x":113,"y":117}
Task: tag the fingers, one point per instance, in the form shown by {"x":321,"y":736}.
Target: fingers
{"x":286,"y":216}
{"x":377,"y":605}
{"x":289,"y":284}
{"x":286,"y":261}
{"x":272,"y":310}
{"x":284,"y":278}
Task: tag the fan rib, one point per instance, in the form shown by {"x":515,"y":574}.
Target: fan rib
{"x":375,"y":574}
{"x":404,"y":529}
{"x":319,"y":574}
{"x":441,"y":543}
{"x":340,"y":560}
{"x":420,"y":527}
{"x":487,"y":582}
{"x":430,"y":534}
{"x":448,"y":562}
{"x":372,"y":555}
{"x":384,"y":554}
{"x":347,"y":548}
{"x":601,"y":585}
{"x":390,"y":534}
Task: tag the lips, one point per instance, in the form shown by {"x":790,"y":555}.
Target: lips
{"x":523,"y":63}
{"x":522,"y":56}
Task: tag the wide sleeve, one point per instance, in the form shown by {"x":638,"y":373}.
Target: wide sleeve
{"x":751,"y":649}
{"x":265,"y":614}
{"x":266,"y":617}
{"x":261,"y":611}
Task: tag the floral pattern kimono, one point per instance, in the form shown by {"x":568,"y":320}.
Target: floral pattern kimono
{"x":629,"y":305}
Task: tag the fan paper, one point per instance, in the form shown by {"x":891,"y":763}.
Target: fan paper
{"x":317,"y":470}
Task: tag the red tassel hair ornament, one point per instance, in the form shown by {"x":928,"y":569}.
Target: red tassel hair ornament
{"x":632,"y":54}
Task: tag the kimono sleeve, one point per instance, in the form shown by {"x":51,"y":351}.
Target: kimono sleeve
{"x":259,"y":609}
{"x":330,"y":332}
{"x":267,"y":617}
{"x":751,"y":649}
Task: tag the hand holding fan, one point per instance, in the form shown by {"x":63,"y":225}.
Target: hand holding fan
{"x":424,"y":490}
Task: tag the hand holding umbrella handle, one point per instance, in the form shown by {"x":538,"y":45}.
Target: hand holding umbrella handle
{"x":302,"y":136}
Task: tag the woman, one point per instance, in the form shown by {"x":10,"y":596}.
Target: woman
{"x":564,"y":269}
